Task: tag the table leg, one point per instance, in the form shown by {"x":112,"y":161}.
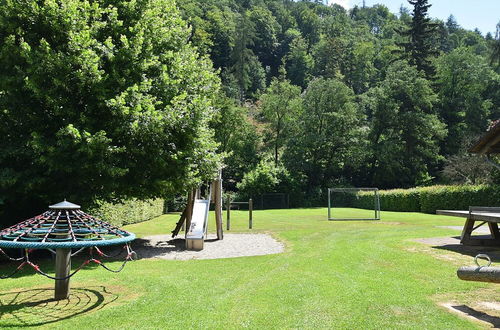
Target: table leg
{"x":467,"y":231}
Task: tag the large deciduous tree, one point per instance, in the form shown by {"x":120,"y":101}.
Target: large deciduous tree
{"x":281,"y":104}
{"x":463,"y":80}
{"x":100,"y":100}
{"x":328,"y":136}
{"x":405,"y":130}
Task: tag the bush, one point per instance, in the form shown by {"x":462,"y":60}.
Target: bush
{"x":262,"y":179}
{"x":128,"y":212}
{"x":458,"y":197}
{"x":430,"y":199}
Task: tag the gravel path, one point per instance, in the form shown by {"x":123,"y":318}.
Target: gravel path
{"x":233,"y":245}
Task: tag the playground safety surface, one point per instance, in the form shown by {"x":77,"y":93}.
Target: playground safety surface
{"x":232,"y":246}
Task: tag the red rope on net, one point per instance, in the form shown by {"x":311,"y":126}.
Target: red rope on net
{"x":131,"y":255}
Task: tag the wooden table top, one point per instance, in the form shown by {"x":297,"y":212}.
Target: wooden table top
{"x":476,"y":215}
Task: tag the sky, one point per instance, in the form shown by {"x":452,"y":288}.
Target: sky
{"x":470,"y":14}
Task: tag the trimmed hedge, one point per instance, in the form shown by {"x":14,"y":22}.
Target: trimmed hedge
{"x":430,"y":199}
{"x":131,"y":211}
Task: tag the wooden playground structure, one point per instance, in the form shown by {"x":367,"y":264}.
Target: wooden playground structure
{"x":194,"y":218}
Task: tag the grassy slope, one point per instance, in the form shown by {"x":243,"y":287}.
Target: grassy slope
{"x":333,"y":274}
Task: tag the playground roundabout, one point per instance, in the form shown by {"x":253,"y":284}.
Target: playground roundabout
{"x":232,"y":246}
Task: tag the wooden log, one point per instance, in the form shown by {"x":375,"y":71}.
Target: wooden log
{"x":479,"y":274}
{"x":63,"y":268}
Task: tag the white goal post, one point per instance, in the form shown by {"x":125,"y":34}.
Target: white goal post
{"x":352,"y":193}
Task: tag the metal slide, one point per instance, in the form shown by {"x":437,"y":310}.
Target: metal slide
{"x":195,"y":236}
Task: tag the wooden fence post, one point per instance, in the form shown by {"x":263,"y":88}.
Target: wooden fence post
{"x":218,"y":205}
{"x":250,"y":208}
{"x":228,"y":213}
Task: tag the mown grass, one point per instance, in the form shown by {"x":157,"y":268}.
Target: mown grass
{"x":353,"y":274}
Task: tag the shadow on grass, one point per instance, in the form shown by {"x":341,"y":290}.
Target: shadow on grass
{"x":453,"y":244}
{"x":46,"y":261}
{"x":476,"y":314}
{"x":36,"y":307}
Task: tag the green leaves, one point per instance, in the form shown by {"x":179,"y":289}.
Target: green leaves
{"x":102,"y":101}
{"x":405,"y":129}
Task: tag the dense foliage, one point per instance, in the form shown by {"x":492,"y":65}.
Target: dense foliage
{"x":100,"y":100}
{"x":359,"y":97}
{"x":111,"y":100}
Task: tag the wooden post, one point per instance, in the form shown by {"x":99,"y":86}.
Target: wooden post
{"x":250,"y":208}
{"x":63,"y":268}
{"x":189,"y":213}
{"x":218,"y":205}
{"x":228,"y":213}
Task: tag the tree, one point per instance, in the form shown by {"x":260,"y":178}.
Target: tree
{"x":309,"y":25}
{"x":246,"y":68}
{"x":417,"y":48}
{"x":463,"y":81}
{"x":298,"y":62}
{"x":452,"y":25}
{"x":266,"y":42}
{"x":281,"y":104}
{"x":466,"y":168}
{"x":405,"y":130}
{"x":221,"y":27}
{"x":100,"y":101}
{"x":495,"y":51}
{"x":238,"y":140}
{"x":262,"y":179}
{"x":328,"y":139}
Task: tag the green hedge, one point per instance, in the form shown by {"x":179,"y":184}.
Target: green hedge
{"x":430,"y":199}
{"x":131,"y":211}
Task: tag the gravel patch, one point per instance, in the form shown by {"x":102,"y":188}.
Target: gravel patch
{"x":232,"y":246}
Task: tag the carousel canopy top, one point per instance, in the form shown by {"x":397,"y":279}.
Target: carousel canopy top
{"x":64,"y":225}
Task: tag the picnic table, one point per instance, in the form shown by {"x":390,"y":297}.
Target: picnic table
{"x":485,"y":215}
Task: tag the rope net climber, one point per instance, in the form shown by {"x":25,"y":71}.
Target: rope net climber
{"x":60,"y":229}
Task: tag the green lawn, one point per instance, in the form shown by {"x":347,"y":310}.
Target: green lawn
{"x":353,"y":274}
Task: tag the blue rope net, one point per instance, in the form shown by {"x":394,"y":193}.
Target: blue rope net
{"x":62,"y":229}
{"x":68,"y":228}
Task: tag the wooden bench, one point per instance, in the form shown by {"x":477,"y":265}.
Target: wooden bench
{"x":485,"y":215}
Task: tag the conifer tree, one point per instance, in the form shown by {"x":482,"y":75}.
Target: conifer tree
{"x":417,"y":48}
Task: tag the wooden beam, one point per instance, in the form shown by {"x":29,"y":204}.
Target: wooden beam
{"x":180,"y":224}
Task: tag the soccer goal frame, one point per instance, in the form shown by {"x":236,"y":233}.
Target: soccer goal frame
{"x":376,"y":202}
